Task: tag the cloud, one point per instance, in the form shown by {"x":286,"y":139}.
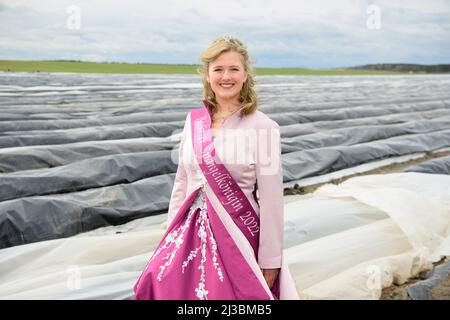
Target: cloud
{"x":278,"y":33}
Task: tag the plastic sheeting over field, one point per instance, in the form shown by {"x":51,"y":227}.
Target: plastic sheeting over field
{"x":381,"y":229}
{"x":40,"y":218}
{"x":78,"y":152}
{"x":439,"y":165}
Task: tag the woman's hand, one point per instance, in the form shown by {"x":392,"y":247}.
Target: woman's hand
{"x":270,"y":275}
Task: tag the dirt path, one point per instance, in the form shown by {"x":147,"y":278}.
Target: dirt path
{"x":395,"y":167}
{"x":398,"y":292}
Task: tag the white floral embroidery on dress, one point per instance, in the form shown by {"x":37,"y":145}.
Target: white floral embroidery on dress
{"x":176,"y":237}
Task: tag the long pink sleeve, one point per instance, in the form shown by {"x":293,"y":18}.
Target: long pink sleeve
{"x":269,"y":177}
{"x":180,"y":182}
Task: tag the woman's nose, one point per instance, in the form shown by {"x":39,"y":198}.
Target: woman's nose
{"x":226,"y":74}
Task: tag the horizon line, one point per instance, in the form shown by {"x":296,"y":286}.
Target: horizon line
{"x":198,"y":65}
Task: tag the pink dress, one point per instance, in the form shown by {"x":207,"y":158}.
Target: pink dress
{"x":204,"y":254}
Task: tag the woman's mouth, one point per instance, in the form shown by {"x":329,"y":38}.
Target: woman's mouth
{"x":226,"y":85}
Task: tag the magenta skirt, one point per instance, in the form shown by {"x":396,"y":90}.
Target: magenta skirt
{"x":197,"y":259}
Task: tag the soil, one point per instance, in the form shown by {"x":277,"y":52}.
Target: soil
{"x":440,"y":292}
{"x":395,"y":167}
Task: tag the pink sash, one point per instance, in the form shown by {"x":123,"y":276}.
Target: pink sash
{"x":220,"y":180}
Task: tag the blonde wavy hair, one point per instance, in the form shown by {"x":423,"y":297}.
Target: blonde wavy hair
{"x":248,"y":97}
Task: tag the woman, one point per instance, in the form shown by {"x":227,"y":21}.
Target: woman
{"x":222,"y":242}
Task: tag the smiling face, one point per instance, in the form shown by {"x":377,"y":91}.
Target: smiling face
{"x":226,"y":76}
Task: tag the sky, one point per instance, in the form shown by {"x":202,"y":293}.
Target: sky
{"x":278,"y":33}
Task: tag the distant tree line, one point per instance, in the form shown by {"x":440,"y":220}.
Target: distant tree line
{"x":406,"y":67}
